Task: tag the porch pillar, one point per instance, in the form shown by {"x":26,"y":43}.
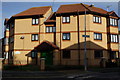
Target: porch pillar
{"x":42,"y":65}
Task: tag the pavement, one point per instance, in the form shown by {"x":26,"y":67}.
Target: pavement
{"x":101,"y":74}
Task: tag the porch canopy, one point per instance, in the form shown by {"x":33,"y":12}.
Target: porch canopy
{"x":46,"y":46}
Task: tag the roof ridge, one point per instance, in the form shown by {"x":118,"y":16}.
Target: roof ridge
{"x":70,"y":4}
{"x":40,"y":7}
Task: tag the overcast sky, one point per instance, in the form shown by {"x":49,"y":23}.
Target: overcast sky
{"x":12,"y":8}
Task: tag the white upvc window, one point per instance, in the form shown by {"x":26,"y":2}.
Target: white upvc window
{"x":50,"y":29}
{"x":35,"y":21}
{"x":66,"y":19}
{"x":66,"y":36}
{"x":113,"y":22}
{"x":34,"y":37}
{"x":96,"y":19}
{"x":114,"y":38}
{"x":97,"y":36}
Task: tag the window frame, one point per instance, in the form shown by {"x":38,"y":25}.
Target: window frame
{"x":35,"y":54}
{"x":113,"y":22}
{"x":36,"y":21}
{"x":65,"y":19}
{"x":114,"y":38}
{"x":97,"y":36}
{"x":66,"y":34}
{"x":33,"y":37}
{"x":97,"y":19}
{"x":53,"y":29}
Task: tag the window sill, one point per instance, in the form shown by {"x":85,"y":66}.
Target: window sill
{"x":97,"y":23}
{"x":66,"y":40}
{"x":97,"y":40}
{"x":114,"y":42}
{"x":66,"y":22}
{"x":34,"y":24}
{"x":35,"y":41}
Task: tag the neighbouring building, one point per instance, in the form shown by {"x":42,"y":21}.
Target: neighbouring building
{"x":59,"y":36}
{"x":0,"y":48}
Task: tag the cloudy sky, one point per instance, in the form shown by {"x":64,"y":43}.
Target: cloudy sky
{"x":10,"y":7}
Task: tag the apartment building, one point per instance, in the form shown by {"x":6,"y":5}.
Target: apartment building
{"x":59,"y":36}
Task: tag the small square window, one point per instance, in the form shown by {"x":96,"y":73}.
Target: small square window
{"x":34,"y":54}
{"x":35,"y":21}
{"x":34,"y":37}
{"x":66,"y":36}
{"x":66,"y":19}
{"x":97,"y":36}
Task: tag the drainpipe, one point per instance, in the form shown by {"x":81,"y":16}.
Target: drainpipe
{"x":60,"y":37}
{"x":78,"y":38}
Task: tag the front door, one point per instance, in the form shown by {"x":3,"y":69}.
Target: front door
{"x":48,"y":57}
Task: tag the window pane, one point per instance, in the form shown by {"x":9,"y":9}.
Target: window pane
{"x":63,"y":19}
{"x":68,"y":36}
{"x":64,"y":36}
{"x":50,"y":29}
{"x":36,"y":37}
{"x":97,"y":19}
{"x":110,"y":21}
{"x":32,"y":37}
{"x":54,"y":29}
{"x":113,"y":20}
{"x":33,"y":21}
{"x":116,"y":38}
{"x":94,"y":19}
{"x":68,"y":19}
{"x":47,"y":29}
{"x":37,"y":21}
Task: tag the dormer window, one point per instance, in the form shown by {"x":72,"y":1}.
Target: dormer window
{"x":35,"y":21}
{"x":113,"y":22}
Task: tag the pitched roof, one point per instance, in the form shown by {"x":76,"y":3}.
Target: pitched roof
{"x":79,"y":7}
{"x":112,"y":13}
{"x":51,"y":18}
{"x":33,"y":11}
{"x":6,"y":20}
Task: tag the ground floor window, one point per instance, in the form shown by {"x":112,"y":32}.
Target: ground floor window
{"x":114,"y":54}
{"x":66,"y":54}
{"x":34,"y":54}
{"x":98,"y":53}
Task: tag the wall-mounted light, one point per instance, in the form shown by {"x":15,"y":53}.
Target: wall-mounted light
{"x":22,"y":37}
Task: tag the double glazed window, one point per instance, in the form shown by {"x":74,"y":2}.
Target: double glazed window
{"x":114,"y":38}
{"x":66,"y":36}
{"x":34,"y":37}
{"x":66,"y":19}
{"x":113,"y":22}
{"x":50,"y":29}
{"x":96,"y":19}
{"x":35,"y":21}
{"x":66,"y":54}
{"x":97,"y":36}
{"x":34,"y":54}
{"x":98,"y":53}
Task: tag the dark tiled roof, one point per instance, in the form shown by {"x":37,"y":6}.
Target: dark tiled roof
{"x":51,"y":18}
{"x":79,"y":7}
{"x":34,"y":11}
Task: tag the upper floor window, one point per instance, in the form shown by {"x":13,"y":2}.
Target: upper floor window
{"x":66,"y":54}
{"x":66,"y":19}
{"x":11,"y":39}
{"x":96,"y":19}
{"x":97,"y":36}
{"x":6,"y":40}
{"x":7,"y":27}
{"x":113,"y":22}
{"x":50,"y":29}
{"x":98,"y":53}
{"x":34,"y":37}
{"x":66,"y":36}
{"x":114,"y":38}
{"x":35,"y":21}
